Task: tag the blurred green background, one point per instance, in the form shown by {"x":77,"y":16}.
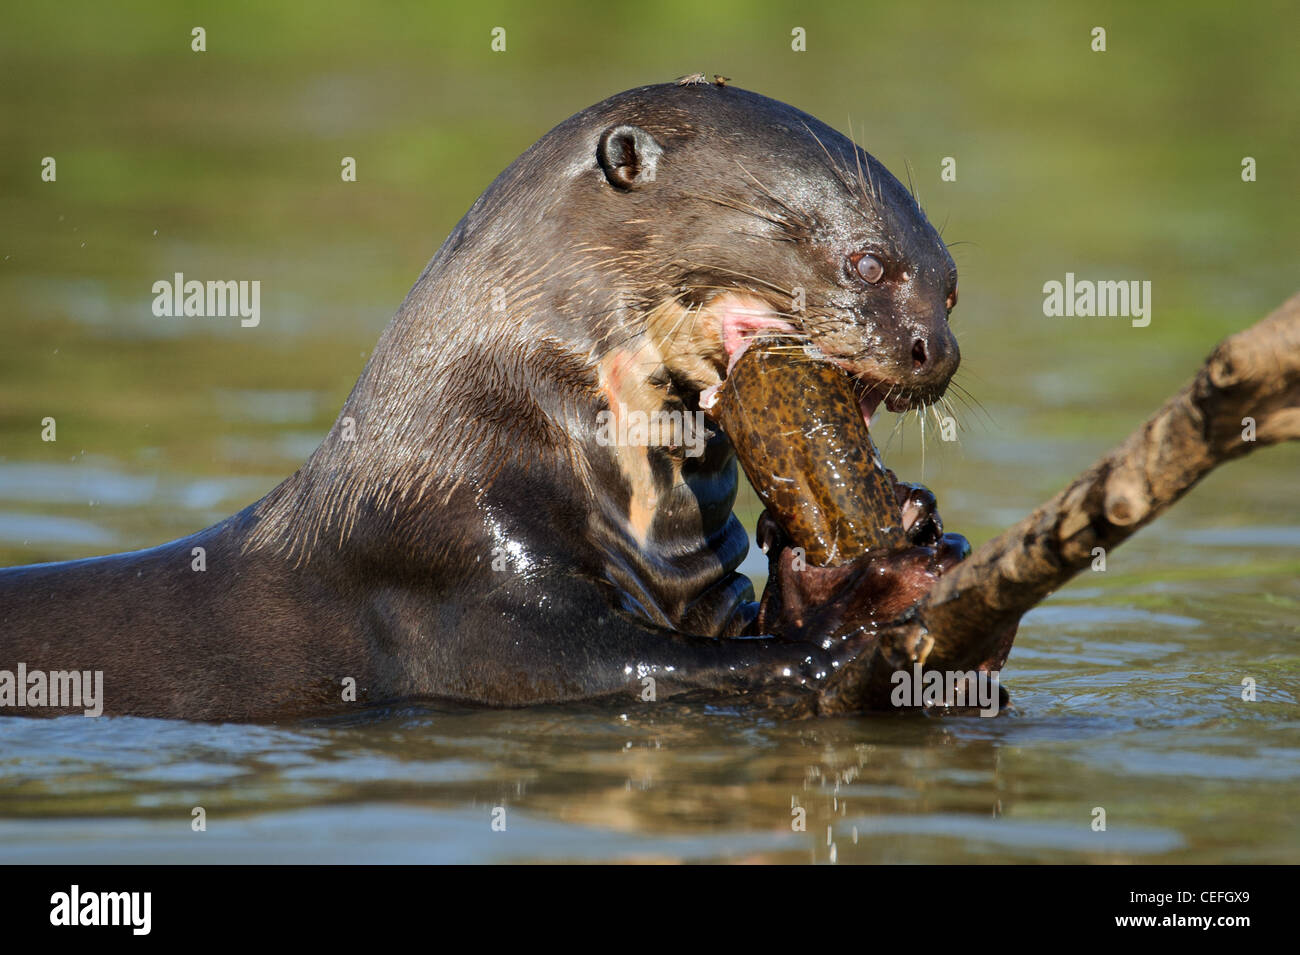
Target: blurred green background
{"x":1122,"y":164}
{"x":225,"y":164}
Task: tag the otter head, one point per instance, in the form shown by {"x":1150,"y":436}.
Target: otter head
{"x":736,"y":216}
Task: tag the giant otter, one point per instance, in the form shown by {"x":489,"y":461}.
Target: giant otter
{"x":463,"y":533}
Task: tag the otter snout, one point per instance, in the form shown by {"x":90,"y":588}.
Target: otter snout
{"x":934,"y":357}
{"x":903,"y":359}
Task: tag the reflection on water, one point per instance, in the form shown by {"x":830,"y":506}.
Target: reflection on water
{"x":1113,"y":706}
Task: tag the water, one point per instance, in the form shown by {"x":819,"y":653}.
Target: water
{"x":1126,"y":692}
{"x":1126,"y":685}
{"x":1144,"y":721}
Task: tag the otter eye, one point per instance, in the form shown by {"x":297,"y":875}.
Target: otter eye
{"x":870,"y":269}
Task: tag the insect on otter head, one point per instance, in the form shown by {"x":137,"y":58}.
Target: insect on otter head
{"x":780,"y":225}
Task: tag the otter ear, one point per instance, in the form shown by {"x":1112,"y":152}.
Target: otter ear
{"x":629,"y":155}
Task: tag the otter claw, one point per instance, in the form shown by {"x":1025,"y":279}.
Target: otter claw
{"x":768,"y":534}
{"x":921,"y":521}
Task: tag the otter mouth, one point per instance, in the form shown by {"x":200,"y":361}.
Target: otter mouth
{"x":870,"y":397}
{"x":872,"y":392}
{"x":742,"y":322}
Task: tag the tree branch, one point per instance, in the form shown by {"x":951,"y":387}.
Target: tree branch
{"x":1253,"y":376}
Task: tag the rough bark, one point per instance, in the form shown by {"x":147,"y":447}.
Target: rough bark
{"x":968,"y":618}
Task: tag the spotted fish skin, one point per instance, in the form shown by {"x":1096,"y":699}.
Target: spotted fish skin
{"x":800,"y":437}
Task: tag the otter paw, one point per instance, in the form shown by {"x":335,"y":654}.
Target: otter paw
{"x":920,"y":510}
{"x":812,"y":604}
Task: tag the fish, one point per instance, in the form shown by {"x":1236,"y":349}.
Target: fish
{"x":802,"y":439}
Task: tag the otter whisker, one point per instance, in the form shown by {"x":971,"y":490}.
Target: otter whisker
{"x":950,"y":411}
{"x":921,"y":418}
{"x":894,"y":432}
{"x":977,"y":414}
{"x":750,"y":278}
{"x":793,"y":316}
{"x":770,"y":238}
{"x":868,"y":187}
{"x":834,"y":165}
{"x":907,"y":165}
{"x":803,"y":220}
{"x":962,"y":394}
{"x":742,"y":207}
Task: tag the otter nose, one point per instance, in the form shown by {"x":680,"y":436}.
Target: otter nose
{"x":935,"y":356}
